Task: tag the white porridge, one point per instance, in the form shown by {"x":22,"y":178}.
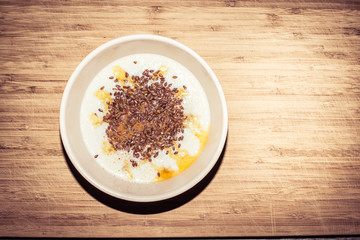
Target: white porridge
{"x":145,"y":118}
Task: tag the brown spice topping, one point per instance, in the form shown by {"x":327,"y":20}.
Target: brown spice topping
{"x":96,"y":156}
{"x":133,"y":163}
{"x":146,"y":117}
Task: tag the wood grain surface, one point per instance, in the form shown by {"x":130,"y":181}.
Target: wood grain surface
{"x":290,"y":71}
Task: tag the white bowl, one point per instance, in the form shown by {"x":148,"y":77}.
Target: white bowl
{"x":70,"y":118}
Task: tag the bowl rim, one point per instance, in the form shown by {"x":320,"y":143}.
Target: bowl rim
{"x":69,"y":148}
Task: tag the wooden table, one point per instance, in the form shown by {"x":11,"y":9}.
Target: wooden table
{"x":290,"y":71}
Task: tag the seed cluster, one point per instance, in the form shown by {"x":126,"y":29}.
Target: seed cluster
{"x":145,"y":116}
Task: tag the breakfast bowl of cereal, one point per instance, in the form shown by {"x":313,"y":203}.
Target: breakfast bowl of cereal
{"x":143,"y":118}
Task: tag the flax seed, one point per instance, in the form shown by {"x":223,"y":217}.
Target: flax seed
{"x":147,"y":113}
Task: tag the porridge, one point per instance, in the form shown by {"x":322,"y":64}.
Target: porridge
{"x":145,"y":118}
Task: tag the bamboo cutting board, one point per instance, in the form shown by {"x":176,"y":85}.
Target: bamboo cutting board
{"x":290,"y":74}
